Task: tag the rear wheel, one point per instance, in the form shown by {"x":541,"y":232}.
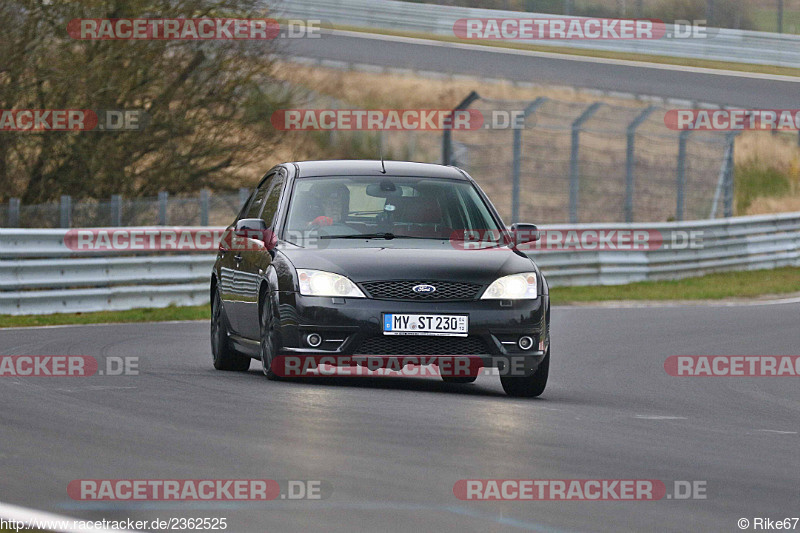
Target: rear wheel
{"x":528,"y":386}
{"x":225,"y":357}
{"x":268,"y":338}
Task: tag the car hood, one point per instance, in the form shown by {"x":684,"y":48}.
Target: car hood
{"x":409,"y":260}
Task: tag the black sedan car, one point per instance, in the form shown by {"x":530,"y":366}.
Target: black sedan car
{"x":384,"y":260}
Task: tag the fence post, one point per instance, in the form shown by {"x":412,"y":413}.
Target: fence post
{"x":447,"y":134}
{"x":66,"y":211}
{"x":574,"y":170}
{"x":13,"y":212}
{"x":517,"y":162}
{"x":244,"y":194}
{"x":630,"y":161}
{"x":382,"y":143}
{"x":204,"y":204}
{"x":729,"y":175}
{"x":163,"y":196}
{"x":116,"y":210}
{"x":683,"y":138}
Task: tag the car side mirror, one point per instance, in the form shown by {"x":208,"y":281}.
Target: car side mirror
{"x":251,"y":228}
{"x":524,"y":233}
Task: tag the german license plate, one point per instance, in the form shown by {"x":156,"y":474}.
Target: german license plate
{"x":410,"y":324}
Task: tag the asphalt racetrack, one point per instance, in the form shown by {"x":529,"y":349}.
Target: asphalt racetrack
{"x":393,"y":448}
{"x":735,"y":89}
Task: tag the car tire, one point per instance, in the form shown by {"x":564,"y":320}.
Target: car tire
{"x":268,"y":338}
{"x":224,"y":356}
{"x":528,"y":386}
{"x":459,"y":379}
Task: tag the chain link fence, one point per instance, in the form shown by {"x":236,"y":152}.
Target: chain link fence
{"x":597,"y":162}
{"x":201,"y":209}
{"x":569,"y":162}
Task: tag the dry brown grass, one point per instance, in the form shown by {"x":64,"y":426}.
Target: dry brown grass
{"x":386,"y":90}
{"x":778,"y":152}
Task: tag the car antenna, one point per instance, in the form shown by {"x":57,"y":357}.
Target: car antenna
{"x":383,"y":165}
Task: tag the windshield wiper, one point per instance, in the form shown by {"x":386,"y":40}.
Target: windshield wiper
{"x":388,"y":236}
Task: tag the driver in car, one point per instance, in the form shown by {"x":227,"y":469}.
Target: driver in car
{"x":335,"y":203}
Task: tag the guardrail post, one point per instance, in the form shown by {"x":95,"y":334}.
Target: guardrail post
{"x":244,"y":194}
{"x":517,"y":167}
{"x":163,"y":196}
{"x":13,"y":212}
{"x":728,"y":203}
{"x":66,"y":211}
{"x":630,"y":161}
{"x":683,"y":138}
{"x":204,"y":203}
{"x":574,"y":167}
{"x":116,"y":210}
{"x":447,"y":134}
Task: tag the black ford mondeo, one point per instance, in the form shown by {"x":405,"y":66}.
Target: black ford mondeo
{"x":361,"y":260}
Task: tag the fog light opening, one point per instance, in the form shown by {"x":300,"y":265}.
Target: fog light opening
{"x":525,"y":343}
{"x":314,"y":339}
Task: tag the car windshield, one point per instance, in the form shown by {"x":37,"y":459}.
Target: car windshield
{"x":386,"y":208}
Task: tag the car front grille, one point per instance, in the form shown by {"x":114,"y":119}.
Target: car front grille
{"x":403,"y":290}
{"x":421,"y":345}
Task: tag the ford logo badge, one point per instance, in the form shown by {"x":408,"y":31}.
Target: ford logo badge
{"x":424,"y":289}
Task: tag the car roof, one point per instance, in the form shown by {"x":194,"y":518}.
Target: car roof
{"x":310,"y":169}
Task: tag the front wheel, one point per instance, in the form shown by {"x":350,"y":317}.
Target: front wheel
{"x":225,"y":357}
{"x":528,"y":386}
{"x":268,"y":339}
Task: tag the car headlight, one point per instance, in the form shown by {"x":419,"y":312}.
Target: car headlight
{"x":514,"y":287}
{"x":319,"y":283}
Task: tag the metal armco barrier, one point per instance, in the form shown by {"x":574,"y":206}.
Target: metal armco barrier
{"x":737,"y":46}
{"x":40,"y":275}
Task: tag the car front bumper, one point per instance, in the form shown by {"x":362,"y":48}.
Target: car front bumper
{"x":353,"y":327}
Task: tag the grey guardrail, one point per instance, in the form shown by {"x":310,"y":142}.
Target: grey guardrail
{"x":39,"y":274}
{"x":737,"y":46}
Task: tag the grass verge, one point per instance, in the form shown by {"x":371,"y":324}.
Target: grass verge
{"x":748,"y":284}
{"x":646,"y":58}
{"x":200,"y":312}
